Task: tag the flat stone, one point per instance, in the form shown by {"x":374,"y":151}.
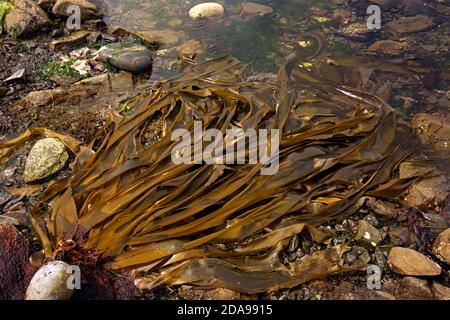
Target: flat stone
{"x":412,"y":263}
{"x":18,"y":75}
{"x":251,"y":8}
{"x":161,"y":38}
{"x":129,"y":57}
{"x":47,"y":157}
{"x":441,"y":246}
{"x":411,"y":24}
{"x":70,"y":40}
{"x":429,"y":191}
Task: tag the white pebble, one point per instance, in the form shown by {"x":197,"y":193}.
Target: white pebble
{"x":206,"y":10}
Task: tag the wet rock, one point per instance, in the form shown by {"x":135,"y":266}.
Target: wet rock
{"x":50,"y":282}
{"x":89,"y":8}
{"x":389,"y":47}
{"x":206,"y":10}
{"x":367,"y":233}
{"x":411,"y":169}
{"x":190,"y":48}
{"x":160,"y":38}
{"x":251,"y":8}
{"x":25,"y":19}
{"x":412,"y":263}
{"x":440,"y":292}
{"x":401,"y":236}
{"x":433,"y":130}
{"x":46,"y":158}
{"x":441,"y":246}
{"x":409,"y":288}
{"x":411,"y":24}
{"x":357,"y":32}
{"x":14,"y":277}
{"x":190,"y":293}
{"x":3,"y":91}
{"x":428,"y":192}
{"x":385,"y":209}
{"x":129,"y":57}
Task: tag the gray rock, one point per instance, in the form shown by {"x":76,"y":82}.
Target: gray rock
{"x":47,"y":157}
{"x":129,"y":57}
{"x":50,"y":282}
{"x":25,"y":19}
{"x":18,"y":75}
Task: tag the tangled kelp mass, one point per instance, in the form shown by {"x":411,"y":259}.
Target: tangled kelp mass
{"x":225,"y":225}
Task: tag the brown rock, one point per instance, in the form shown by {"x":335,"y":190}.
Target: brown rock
{"x":71,"y":40}
{"x":89,"y":9}
{"x":162,"y":38}
{"x":367,"y":233}
{"x":25,"y":19}
{"x":433,"y":130}
{"x":431,"y":191}
{"x":412,"y":263}
{"x":412,"y":24}
{"x":251,"y":8}
{"x":191,"y":293}
{"x":440,"y":292}
{"x":441,"y":246}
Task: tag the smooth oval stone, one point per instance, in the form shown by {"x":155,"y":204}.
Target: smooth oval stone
{"x":206,"y":10}
{"x":50,"y":282}
{"x":129,"y":57}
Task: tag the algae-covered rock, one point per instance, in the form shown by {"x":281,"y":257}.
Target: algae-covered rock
{"x":47,"y":157}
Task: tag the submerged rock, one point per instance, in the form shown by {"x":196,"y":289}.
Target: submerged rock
{"x":47,"y":157}
{"x":206,"y":10}
{"x":50,"y":282}
{"x":441,"y":246}
{"x":251,"y":8}
{"x":25,"y":19}
{"x":367,"y":233}
{"x":412,"y":263}
{"x":129,"y":57}
{"x":411,"y":24}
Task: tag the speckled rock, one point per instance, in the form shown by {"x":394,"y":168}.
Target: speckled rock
{"x":50,"y":282}
{"x":412,"y":263}
{"x":441,"y":246}
{"x":129,"y":57}
{"x":367,"y":233}
{"x":47,"y":157}
{"x":206,"y":10}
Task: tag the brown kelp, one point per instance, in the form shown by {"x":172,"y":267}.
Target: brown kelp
{"x":225,"y":225}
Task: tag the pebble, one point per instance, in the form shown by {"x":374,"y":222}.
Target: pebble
{"x":47,"y":157}
{"x":412,"y":263}
{"x":367,"y":233}
{"x":129,"y":57}
{"x":251,"y":8}
{"x":50,"y":282}
{"x":206,"y":10}
{"x":411,"y":24}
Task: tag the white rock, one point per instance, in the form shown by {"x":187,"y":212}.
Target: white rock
{"x":206,"y":10}
{"x":50,"y":282}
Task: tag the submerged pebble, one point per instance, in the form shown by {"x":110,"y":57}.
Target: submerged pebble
{"x":206,"y":10}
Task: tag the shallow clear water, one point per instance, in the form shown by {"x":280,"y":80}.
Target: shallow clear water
{"x":263,"y":40}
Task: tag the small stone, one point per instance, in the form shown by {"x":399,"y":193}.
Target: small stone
{"x":411,"y":24}
{"x":400,"y":236}
{"x":429,"y":191}
{"x":161,"y":38}
{"x":18,"y":75}
{"x":89,"y":9}
{"x":251,"y":8}
{"x":206,"y":10}
{"x":367,"y":233}
{"x":440,"y":292}
{"x":25,"y":19}
{"x":50,"y":282}
{"x":47,"y":157}
{"x":412,"y":263}
{"x":441,"y":246}
{"x":129,"y":57}
{"x":433,"y":130}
